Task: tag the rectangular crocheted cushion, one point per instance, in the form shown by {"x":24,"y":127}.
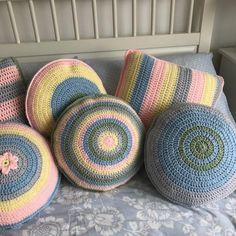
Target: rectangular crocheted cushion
{"x":12,"y":92}
{"x":151,"y":85}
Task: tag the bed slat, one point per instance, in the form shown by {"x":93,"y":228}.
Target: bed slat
{"x":13,"y":21}
{"x":54,"y":19}
{"x":75,"y":19}
{"x":172,"y":16}
{"x":134,"y":7}
{"x":207,"y":25}
{"x":115,"y":24}
{"x":34,"y":21}
{"x":190,"y":16}
{"x":95,"y":19}
{"x":154,"y":17}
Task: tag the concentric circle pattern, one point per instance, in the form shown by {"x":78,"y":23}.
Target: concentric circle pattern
{"x":56,"y":86}
{"x":190,"y":155}
{"x":29,"y":178}
{"x":98,"y":142}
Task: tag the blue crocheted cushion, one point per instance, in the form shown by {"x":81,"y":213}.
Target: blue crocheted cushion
{"x":190,"y":155}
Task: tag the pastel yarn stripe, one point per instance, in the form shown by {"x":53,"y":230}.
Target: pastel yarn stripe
{"x":148,"y":107}
{"x":119,"y":161}
{"x":56,"y":86}
{"x":10,"y":113}
{"x":31,"y":186}
{"x":6,"y":63}
{"x":12,"y":92}
{"x":151,"y":85}
{"x":207,"y":97}
{"x":190,"y":154}
{"x":98,"y":142}
{"x":9,"y":75}
{"x":142,"y":81}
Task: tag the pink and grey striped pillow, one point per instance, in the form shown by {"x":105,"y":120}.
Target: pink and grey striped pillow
{"x":151,"y":85}
{"x":12,"y":92}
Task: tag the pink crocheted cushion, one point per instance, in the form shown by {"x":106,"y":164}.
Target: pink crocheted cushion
{"x":12,"y":92}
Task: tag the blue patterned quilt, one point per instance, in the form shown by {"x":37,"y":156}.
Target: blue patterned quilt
{"x":130,"y":210}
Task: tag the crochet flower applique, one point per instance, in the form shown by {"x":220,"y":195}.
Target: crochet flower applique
{"x":8,"y":162}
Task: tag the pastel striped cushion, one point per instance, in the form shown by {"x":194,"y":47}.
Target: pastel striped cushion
{"x":98,"y":142}
{"x":12,"y":92}
{"x":54,"y":87}
{"x":29,"y":178}
{"x":151,"y":85}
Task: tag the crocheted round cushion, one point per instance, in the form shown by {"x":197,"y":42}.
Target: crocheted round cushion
{"x":98,"y":142}
{"x":190,"y":155}
{"x":29,"y":178}
{"x":54,"y":87}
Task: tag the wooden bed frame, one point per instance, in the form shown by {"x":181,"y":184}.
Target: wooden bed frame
{"x":197,"y":37}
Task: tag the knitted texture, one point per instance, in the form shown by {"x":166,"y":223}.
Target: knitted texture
{"x":190,"y":155}
{"x":151,"y":85}
{"x":54,"y":87}
{"x":12,"y":92}
{"x":98,"y":142}
{"x":28,"y":175}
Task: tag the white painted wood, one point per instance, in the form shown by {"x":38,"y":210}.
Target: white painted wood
{"x":13,"y":21}
{"x":114,"y":45}
{"x":112,"y":55}
{"x":172,"y":16}
{"x":134,"y":17}
{"x":190,"y":21}
{"x":115,"y":22}
{"x":154,"y":17}
{"x":95,"y":19}
{"x":54,"y":19}
{"x":75,"y":19}
{"x":98,"y":45}
{"x":207,"y":25}
{"x":34,"y":21}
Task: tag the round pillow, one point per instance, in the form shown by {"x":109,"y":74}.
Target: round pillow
{"x":29,"y":178}
{"x":190,"y":155}
{"x":98,"y":142}
{"x":54,"y":87}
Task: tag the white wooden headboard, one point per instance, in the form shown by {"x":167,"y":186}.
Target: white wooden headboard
{"x":196,"y":36}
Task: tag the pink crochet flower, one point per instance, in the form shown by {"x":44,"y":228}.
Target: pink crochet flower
{"x":8,"y":162}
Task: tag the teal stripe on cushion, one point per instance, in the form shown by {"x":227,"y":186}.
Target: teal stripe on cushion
{"x":142,"y":82}
{"x":6,"y":63}
{"x":183,"y":85}
{"x":70,"y":90}
{"x":11,"y":91}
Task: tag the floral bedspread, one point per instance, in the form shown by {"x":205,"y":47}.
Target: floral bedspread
{"x":132,"y":209}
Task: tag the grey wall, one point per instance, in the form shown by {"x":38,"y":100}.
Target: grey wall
{"x":224,"y":32}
